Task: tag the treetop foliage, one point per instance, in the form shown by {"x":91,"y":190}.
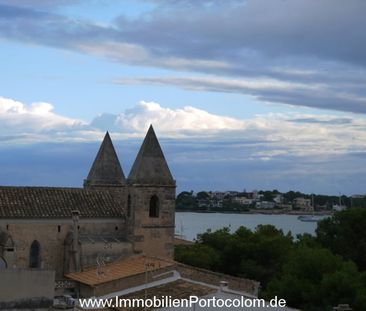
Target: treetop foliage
{"x":313,"y":273}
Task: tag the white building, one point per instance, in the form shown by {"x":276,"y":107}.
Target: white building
{"x":338,"y":208}
{"x":265,"y":205}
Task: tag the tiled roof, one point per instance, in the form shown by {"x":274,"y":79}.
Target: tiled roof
{"x":119,"y":269}
{"x":47,"y":202}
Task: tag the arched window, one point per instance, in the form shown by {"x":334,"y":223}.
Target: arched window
{"x":3,"y":264}
{"x":35,"y":255}
{"x":129,"y":206}
{"x":154,"y":206}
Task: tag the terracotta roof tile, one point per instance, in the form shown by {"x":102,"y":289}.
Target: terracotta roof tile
{"x":118,"y":270}
{"x":47,"y":202}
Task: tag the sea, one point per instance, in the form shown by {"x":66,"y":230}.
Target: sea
{"x":189,"y":224}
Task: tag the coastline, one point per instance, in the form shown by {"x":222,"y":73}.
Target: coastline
{"x":262,"y":212}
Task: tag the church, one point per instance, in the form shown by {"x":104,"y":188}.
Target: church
{"x":112,"y":238}
{"x":112,"y":217}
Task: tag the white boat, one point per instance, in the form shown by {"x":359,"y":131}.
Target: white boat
{"x":308,"y":218}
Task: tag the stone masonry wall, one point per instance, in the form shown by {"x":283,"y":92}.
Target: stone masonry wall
{"x":51,"y":235}
{"x":214,"y":278}
{"x":154,"y":236}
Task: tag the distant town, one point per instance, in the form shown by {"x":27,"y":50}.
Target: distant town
{"x":292,"y":202}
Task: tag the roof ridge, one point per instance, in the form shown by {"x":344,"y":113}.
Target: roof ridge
{"x":40,"y":187}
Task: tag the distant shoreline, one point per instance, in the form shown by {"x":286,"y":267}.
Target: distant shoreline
{"x":262,"y":212}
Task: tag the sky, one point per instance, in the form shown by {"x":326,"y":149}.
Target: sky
{"x":242,"y":94}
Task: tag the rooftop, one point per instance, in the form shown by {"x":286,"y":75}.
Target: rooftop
{"x":49,"y":202}
{"x":118,"y":270}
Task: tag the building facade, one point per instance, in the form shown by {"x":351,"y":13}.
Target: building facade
{"x":111,"y":217}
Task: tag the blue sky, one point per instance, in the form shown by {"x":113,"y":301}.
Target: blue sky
{"x":252,"y":94}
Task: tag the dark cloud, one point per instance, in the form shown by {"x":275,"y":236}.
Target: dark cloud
{"x":12,"y":12}
{"x":315,"y":99}
{"x":326,"y":96}
{"x":330,"y":29}
{"x":46,"y":28}
{"x":67,"y":164}
{"x":308,"y":42}
{"x":334,"y":121}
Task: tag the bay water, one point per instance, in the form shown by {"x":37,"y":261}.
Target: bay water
{"x":189,"y":224}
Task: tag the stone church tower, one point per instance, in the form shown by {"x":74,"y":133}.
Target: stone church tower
{"x":110,"y":218}
{"x":151,"y":200}
{"x":106,"y":170}
{"x":148,"y":195}
{"x":106,"y":174}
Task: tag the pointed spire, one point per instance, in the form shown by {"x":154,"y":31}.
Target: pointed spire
{"x":150,"y":166}
{"x":106,"y":169}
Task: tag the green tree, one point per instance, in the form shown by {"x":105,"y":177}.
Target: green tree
{"x":202,"y":195}
{"x":345,"y":234}
{"x":314,"y":279}
{"x":186,"y":201}
{"x":197,"y":255}
{"x":291,"y":195}
{"x":305,"y":271}
{"x":257,"y":255}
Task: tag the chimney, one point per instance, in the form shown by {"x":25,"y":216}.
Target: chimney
{"x":224,"y":286}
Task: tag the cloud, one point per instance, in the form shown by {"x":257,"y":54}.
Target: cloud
{"x":322,"y":153}
{"x":274,"y":28}
{"x":263,"y":137}
{"x":184,"y":120}
{"x":278,"y":51}
{"x":310,"y":94}
{"x":137,"y":54}
{"x":229,"y":166}
{"x":322,"y":120}
{"x":33,"y":122}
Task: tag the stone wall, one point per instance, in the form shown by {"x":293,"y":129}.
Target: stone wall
{"x":51,"y":235}
{"x":154,"y":236}
{"x":214,"y":278}
{"x":20,"y":288}
{"x":111,"y":250}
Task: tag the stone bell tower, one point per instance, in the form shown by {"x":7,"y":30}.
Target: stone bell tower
{"x":106,"y":170}
{"x":151,"y":200}
{"x":106,"y":174}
